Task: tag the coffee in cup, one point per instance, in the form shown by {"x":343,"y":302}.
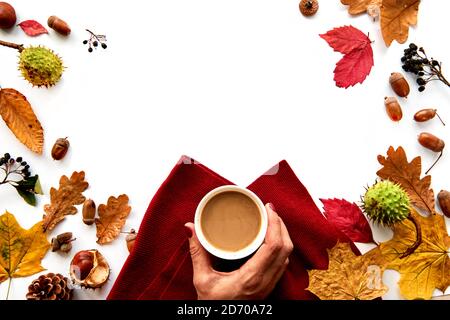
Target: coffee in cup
{"x":231,"y":222}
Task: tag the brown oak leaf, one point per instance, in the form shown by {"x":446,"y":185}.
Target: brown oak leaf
{"x":396,"y":168}
{"x":21,"y":251}
{"x":19,"y":116}
{"x":428,"y":267}
{"x":112,"y":217}
{"x":63,"y":200}
{"x":348,"y":277}
{"x":396,"y":17}
{"x":372,"y":7}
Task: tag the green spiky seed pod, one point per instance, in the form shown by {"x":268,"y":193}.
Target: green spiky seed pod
{"x":40,"y":66}
{"x":386,"y":203}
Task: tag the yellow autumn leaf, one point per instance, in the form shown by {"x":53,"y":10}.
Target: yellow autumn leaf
{"x":349,"y":277}
{"x":18,"y":115}
{"x":21,"y":251}
{"x":428,"y":267}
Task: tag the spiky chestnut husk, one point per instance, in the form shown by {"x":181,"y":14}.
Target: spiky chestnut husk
{"x":40,"y":66}
{"x":386,"y":203}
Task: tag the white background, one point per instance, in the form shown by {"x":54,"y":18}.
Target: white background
{"x":238,"y":85}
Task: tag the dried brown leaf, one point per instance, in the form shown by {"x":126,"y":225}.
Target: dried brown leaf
{"x":428,"y":267}
{"x":396,"y":168}
{"x":19,"y":116}
{"x":361,"y":6}
{"x":348,"y":277}
{"x":396,"y":17}
{"x":112,"y":218}
{"x":63,"y":200}
{"x":21,"y":251}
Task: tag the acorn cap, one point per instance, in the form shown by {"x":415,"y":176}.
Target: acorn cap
{"x":395,"y":76}
{"x":309,"y":7}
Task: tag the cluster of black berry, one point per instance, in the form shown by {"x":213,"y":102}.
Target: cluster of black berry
{"x":426,"y":69}
{"x":12,"y":166}
{"x":95,"y":40}
{"x":17,"y":174}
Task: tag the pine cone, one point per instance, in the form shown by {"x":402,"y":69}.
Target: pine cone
{"x":50,"y":287}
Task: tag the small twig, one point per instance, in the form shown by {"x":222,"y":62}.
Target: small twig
{"x":94,"y":35}
{"x":16,"y":46}
{"x":440,"y":156}
{"x":418,"y":241}
{"x":440,"y":119}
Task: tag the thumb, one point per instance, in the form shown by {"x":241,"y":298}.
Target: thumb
{"x":200,"y":260}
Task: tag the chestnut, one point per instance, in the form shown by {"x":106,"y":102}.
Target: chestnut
{"x":89,"y":269}
{"x":7,"y":16}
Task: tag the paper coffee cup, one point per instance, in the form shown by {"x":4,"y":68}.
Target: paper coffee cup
{"x":231,"y":222}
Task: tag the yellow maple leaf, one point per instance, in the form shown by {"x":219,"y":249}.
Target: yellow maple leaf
{"x":396,"y":17}
{"x":18,"y":115}
{"x":428,"y":267}
{"x":21,"y":251}
{"x":349,"y":277}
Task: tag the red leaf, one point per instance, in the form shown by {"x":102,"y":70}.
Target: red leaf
{"x":32,"y":28}
{"x":354,"y":67}
{"x":345,"y":39}
{"x":348,"y":218}
{"x":357,"y":62}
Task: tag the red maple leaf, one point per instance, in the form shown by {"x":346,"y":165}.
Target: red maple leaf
{"x":357,"y":62}
{"x":32,"y":28}
{"x":348,"y":218}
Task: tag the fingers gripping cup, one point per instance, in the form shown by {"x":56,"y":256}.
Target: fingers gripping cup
{"x":231,"y":222}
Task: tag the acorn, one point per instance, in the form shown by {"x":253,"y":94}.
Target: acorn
{"x":399,"y":84}
{"x":427,"y":114}
{"x":309,"y":7}
{"x":433,"y":143}
{"x":130,"y":239}
{"x":89,"y":212}
{"x":89,"y":269}
{"x":7,"y":16}
{"x":60,"y":148}
{"x":393,"y":109}
{"x":59,"y":25}
{"x":444,"y":202}
{"x":62,"y":242}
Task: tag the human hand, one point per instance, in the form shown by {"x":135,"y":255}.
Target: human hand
{"x":256,"y":278}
